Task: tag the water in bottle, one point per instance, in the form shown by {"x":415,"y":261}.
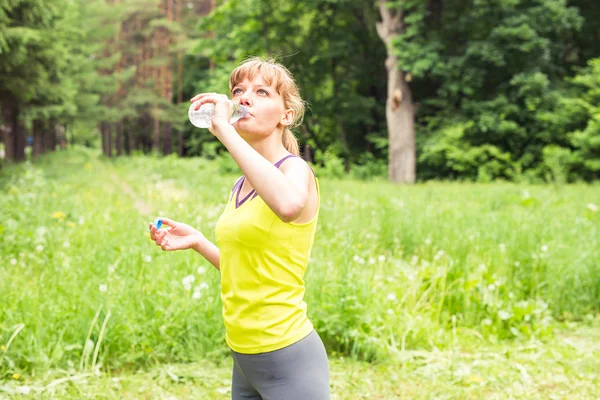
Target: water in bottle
{"x":202,"y":117}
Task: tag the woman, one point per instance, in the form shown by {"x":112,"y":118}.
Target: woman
{"x":264,"y":239}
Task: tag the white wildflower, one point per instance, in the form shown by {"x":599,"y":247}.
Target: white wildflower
{"x":197,"y":295}
{"x":66,"y":244}
{"x":13,"y":261}
{"x":544,"y":248}
{"x":103,"y":287}
{"x":592,"y":207}
{"x":371,"y":260}
{"x":381,"y":258}
{"x":428,"y":241}
{"x":502,"y":248}
{"x":201,"y":270}
{"x":517,"y":263}
{"x":438,"y":255}
{"x":390,"y":311}
{"x":188,"y":280}
{"x":504,"y":315}
{"x":147,"y":258}
{"x":23,"y":390}
{"x":491,"y":287}
{"x":487,"y":321}
{"x":39,"y":248}
{"x":391,"y":297}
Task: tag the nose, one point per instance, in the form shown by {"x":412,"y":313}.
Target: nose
{"x":245,"y":99}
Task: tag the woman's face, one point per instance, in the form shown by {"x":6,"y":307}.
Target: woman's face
{"x":265,"y":107}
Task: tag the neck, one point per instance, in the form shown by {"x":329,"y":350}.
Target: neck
{"x":270,"y":147}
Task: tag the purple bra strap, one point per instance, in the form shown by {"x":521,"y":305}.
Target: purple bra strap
{"x":278,"y":163}
{"x":237,"y":183}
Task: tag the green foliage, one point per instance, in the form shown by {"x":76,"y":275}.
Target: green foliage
{"x":502,"y":90}
{"x":333,"y":63}
{"x":486,"y":94}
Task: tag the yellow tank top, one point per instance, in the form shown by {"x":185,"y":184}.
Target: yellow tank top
{"x":263,"y":261}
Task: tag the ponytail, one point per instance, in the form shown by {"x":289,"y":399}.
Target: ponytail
{"x":290,"y":142}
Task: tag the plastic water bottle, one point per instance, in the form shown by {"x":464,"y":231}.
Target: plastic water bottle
{"x":203,"y":117}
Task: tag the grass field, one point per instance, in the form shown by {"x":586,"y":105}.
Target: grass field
{"x":435,"y":290}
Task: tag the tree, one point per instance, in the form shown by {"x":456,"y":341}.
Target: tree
{"x":400,"y":110}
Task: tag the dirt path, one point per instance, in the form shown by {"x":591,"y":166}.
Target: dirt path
{"x":143,"y":208}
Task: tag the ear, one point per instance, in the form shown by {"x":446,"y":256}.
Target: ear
{"x":288,"y":117}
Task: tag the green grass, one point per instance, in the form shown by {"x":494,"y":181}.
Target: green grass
{"x":431,"y":278}
{"x":564,"y":367}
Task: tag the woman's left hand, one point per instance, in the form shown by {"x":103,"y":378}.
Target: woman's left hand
{"x":223,"y":109}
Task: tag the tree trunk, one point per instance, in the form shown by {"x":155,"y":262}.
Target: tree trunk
{"x":137,"y":142}
{"x":211,"y":62}
{"x":127,"y":135}
{"x":343,"y":136}
{"x":156,"y":139}
{"x":50,"y":136}
{"x":9,"y":116}
{"x":119,"y":138}
{"x":167,"y":138}
{"x":307,"y":152}
{"x":180,"y":142}
{"x":38,"y":138}
{"x":400,"y":111}
{"x":180,"y":80}
{"x":14,"y":134}
{"x":102,"y":137}
{"x":20,"y":141}
{"x":109,"y":139}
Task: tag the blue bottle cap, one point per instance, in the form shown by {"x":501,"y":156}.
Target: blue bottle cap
{"x":158,"y":223}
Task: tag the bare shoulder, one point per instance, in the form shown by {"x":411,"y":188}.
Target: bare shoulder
{"x":294,"y":164}
{"x":300,"y":172}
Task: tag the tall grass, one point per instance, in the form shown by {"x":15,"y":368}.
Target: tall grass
{"x":393,"y":267}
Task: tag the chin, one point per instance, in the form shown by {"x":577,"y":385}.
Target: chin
{"x":247,"y":130}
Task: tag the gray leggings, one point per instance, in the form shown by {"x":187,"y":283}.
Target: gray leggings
{"x":299,"y":371}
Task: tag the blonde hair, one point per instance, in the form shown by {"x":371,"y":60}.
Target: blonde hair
{"x":274,"y":72}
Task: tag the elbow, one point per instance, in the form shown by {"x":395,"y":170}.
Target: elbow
{"x":289,"y":212}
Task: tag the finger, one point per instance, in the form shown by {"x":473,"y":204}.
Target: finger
{"x":152,"y":231}
{"x":201,"y":95}
{"x":169,"y":222}
{"x":214,"y":99}
{"x":159,"y":238}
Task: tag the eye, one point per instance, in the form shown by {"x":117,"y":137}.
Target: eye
{"x":263,"y":92}
{"x":236,"y":91}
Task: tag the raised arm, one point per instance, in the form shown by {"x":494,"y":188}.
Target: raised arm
{"x":284,"y":190}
